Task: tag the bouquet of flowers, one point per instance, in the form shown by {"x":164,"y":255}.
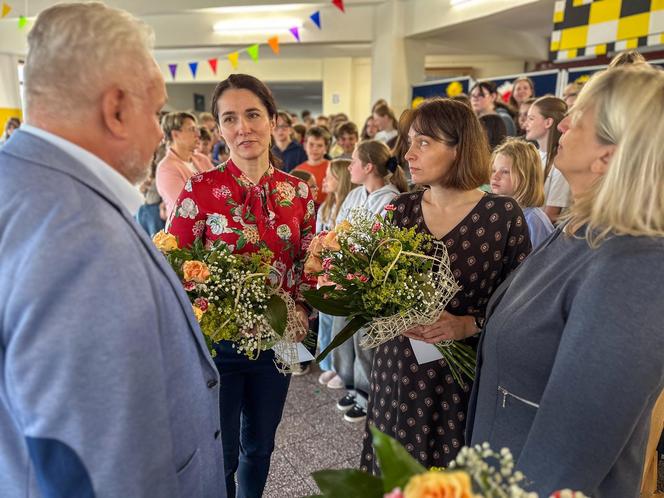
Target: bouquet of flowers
{"x":236,"y":297}
{"x":468,"y":476}
{"x":381,"y":278}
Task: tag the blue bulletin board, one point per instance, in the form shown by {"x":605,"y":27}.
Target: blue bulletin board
{"x":448,"y":87}
{"x":546,"y":82}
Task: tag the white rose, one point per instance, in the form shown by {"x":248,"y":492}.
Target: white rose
{"x":188,"y":209}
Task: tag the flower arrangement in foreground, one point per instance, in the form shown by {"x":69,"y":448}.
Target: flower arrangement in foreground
{"x":236,"y":297}
{"x":469,"y":476}
{"x":381,"y":278}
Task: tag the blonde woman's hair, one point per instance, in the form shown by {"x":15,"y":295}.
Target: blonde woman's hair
{"x":385,"y":164}
{"x":628,"y":103}
{"x":527,"y":174}
{"x":332,"y":203}
{"x":103,"y":45}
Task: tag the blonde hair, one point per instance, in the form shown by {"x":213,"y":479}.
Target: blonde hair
{"x":385,"y":165}
{"x":526,"y":172}
{"x":332,"y":203}
{"x":75,"y":50}
{"x":628,"y":103}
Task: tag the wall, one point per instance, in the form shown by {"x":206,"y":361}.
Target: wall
{"x":10,"y":98}
{"x":484,"y":66}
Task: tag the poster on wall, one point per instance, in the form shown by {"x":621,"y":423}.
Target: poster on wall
{"x":449,"y":87}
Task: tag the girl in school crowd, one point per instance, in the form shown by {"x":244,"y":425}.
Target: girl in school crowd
{"x":524,"y":107}
{"x":380,"y":179}
{"x":181,"y":160}
{"x":285,"y":147}
{"x":12,"y":125}
{"x":369,"y":129}
{"x":337,"y":186}
{"x":386,"y":123}
{"x":516,"y":171}
{"x":523,"y":88}
{"x":542,"y":127}
{"x":484,"y":99}
{"x":346,"y":137}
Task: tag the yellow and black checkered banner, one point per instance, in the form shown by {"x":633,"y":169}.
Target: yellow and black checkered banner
{"x":587,"y":28}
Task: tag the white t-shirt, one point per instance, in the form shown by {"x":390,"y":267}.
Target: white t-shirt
{"x":375,"y":201}
{"x":386,"y":136}
{"x":556,"y":189}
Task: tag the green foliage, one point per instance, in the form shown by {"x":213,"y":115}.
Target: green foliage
{"x":348,"y":483}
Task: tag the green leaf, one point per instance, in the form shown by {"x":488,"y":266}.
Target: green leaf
{"x":329,"y":306}
{"x":396,"y":464}
{"x":348,"y":483}
{"x":346,"y":333}
{"x":277,"y":314}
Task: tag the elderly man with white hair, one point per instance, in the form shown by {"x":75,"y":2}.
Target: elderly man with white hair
{"x":106,"y":386}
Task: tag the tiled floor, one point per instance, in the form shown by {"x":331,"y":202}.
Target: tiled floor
{"x":312,"y":436}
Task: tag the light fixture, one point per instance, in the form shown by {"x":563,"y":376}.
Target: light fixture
{"x":458,"y":2}
{"x":267,"y":25}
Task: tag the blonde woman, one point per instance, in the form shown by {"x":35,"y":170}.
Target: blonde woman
{"x":571,"y":359}
{"x":336,"y":185}
{"x":516,"y":172}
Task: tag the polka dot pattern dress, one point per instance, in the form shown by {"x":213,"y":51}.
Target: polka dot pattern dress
{"x":421,"y":405}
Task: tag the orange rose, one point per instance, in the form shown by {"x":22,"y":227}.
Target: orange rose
{"x":315,"y":247}
{"x":330,"y":241}
{"x":165,"y":242}
{"x":344,"y":226}
{"x":434,"y":484}
{"x":195,"y":271}
{"x":312,"y":265}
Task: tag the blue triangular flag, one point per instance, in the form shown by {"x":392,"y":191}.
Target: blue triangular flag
{"x":194,"y":67}
{"x":173,"y":69}
{"x":315,"y":17}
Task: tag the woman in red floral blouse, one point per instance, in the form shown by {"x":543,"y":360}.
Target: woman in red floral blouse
{"x":250,"y":205}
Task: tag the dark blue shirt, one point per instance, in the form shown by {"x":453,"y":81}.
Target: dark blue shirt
{"x":293,"y":156}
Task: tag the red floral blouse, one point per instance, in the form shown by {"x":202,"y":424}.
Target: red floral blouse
{"x":277,"y":213}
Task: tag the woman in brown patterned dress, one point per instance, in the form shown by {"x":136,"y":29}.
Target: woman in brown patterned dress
{"x":486,"y":237}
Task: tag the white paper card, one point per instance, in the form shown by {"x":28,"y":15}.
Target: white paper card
{"x":425,"y":352}
{"x":303,"y":353}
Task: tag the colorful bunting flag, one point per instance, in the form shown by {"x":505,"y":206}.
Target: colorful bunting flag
{"x":213,"y":65}
{"x":295,"y":32}
{"x":274,"y":44}
{"x":315,"y":18}
{"x":193,"y":67}
{"x":6,"y":9}
{"x":22,"y":21}
{"x":173,"y":68}
{"x":253,"y":52}
{"x":339,"y":4}
{"x":234,"y":59}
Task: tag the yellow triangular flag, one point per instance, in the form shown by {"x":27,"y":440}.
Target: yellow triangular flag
{"x":6,"y":9}
{"x":234,"y":59}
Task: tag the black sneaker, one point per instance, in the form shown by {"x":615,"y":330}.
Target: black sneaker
{"x":346,"y":403}
{"x":355,"y":414}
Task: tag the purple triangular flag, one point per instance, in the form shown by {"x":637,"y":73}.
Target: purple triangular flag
{"x":315,"y":17}
{"x":194,"y":67}
{"x":173,"y":68}
{"x":295,"y":33}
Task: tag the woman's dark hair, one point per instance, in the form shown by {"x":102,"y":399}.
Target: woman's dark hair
{"x":495,"y":129}
{"x":489,"y":86}
{"x":455,"y":124}
{"x":401,"y":146}
{"x":255,"y":86}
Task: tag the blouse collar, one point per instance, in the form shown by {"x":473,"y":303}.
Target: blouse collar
{"x":244,"y":180}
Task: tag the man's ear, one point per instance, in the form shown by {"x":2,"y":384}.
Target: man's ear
{"x":115,"y":107}
{"x":601,"y":165}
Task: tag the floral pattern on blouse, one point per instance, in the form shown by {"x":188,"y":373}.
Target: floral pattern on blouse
{"x":277,"y":213}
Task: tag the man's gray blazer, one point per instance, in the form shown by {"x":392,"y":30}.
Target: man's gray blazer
{"x":106,"y":387}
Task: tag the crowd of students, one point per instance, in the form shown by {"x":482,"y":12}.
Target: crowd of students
{"x":345,"y":168}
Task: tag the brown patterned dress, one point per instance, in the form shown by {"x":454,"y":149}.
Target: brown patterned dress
{"x":421,"y":405}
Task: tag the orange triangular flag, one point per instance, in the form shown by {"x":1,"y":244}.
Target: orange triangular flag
{"x":274,"y":44}
{"x":234,"y":58}
{"x":6,"y":9}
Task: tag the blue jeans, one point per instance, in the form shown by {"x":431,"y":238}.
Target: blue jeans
{"x":324,"y":338}
{"x":251,"y":401}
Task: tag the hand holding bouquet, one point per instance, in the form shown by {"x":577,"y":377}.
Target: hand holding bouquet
{"x":383,"y":278}
{"x":236,"y":297}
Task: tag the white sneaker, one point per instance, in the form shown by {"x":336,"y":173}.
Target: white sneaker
{"x":336,"y":383}
{"x":326,"y":377}
{"x":299,"y":371}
